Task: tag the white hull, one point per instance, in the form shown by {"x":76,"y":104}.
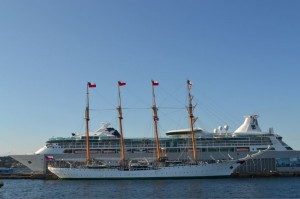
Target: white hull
{"x":222,"y":169}
{"x":34,"y":162}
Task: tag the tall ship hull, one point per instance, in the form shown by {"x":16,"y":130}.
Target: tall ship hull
{"x":223,"y":169}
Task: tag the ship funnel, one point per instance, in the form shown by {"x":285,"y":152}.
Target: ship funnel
{"x":103,"y":127}
{"x":250,"y":124}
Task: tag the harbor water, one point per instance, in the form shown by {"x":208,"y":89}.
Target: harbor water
{"x":260,"y":187}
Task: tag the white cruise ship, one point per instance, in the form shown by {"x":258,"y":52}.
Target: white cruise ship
{"x":220,"y":144}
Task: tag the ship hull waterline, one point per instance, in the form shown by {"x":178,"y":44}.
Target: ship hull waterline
{"x":172,"y":172}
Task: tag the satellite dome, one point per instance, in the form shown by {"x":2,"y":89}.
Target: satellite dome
{"x":226,"y":127}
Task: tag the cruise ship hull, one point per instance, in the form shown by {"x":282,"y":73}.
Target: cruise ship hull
{"x":222,"y":169}
{"x":38,"y":164}
{"x":35,"y":162}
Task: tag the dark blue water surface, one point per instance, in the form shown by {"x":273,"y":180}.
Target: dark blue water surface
{"x":272,"y":187}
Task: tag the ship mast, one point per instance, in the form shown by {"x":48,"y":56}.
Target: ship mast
{"x":190,"y":110}
{"x":155,"y":119}
{"x":120,"y":122}
{"x":87,"y":119}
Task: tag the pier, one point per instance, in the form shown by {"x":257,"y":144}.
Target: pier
{"x":47,"y":176}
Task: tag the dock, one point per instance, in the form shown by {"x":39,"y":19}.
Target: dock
{"x":29,"y":176}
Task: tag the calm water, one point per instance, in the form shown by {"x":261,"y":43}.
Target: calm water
{"x":195,"y":188}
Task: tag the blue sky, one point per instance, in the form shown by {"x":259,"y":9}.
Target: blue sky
{"x":242,"y":57}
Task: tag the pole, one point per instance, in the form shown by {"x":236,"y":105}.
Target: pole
{"x":155,"y":119}
{"x":87,"y":118}
{"x":191,"y":116}
{"x":121,"y":129}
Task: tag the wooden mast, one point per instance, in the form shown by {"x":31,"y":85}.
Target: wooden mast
{"x":120,"y":122}
{"x":155,"y":119}
{"x":87,"y":119}
{"x":190,"y":109}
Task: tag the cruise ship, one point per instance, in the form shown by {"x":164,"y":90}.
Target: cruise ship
{"x":176,"y":145}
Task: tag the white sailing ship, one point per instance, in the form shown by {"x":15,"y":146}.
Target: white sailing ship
{"x":161,"y":168}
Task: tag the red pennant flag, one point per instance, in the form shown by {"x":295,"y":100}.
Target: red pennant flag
{"x":91,"y":85}
{"x":121,"y":83}
{"x":155,"y":83}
